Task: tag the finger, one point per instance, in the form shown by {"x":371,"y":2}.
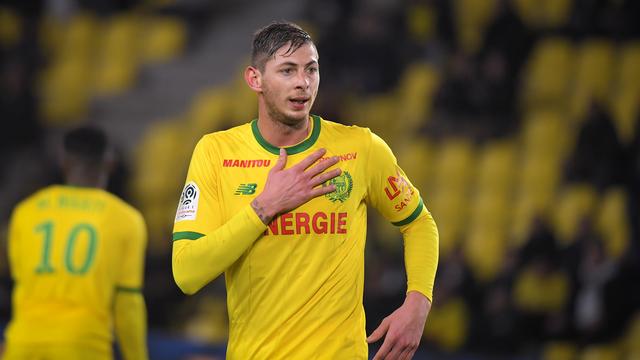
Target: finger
{"x":282,"y":160}
{"x":322,"y":178}
{"x":384,"y":350}
{"x":408,"y":353}
{"x":309,"y":160}
{"x":322,"y":190}
{"x":322,"y":166}
{"x":396,"y":350}
{"x":377,"y":333}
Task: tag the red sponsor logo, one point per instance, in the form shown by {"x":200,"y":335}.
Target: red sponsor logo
{"x":343,"y":157}
{"x":399,"y":187}
{"x":305,"y":223}
{"x":246,"y":163}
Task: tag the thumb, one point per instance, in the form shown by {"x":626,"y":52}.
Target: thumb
{"x":379,"y":332}
{"x":282,"y":160}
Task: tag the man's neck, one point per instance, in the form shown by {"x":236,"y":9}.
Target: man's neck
{"x":283,"y":135}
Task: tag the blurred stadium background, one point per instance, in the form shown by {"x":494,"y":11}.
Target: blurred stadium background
{"x":518,"y":120}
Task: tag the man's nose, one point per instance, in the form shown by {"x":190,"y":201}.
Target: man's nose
{"x":302,"y":80}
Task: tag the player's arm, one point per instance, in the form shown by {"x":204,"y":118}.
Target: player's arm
{"x":204,"y":246}
{"x":130,"y":313}
{"x":397,"y":200}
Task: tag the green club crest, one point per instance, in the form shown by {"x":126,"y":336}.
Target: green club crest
{"x":344,"y":185}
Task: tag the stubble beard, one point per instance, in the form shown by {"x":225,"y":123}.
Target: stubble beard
{"x":280,"y":117}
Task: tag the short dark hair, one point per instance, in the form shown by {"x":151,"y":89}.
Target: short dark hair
{"x":272,"y":37}
{"x":87,"y":144}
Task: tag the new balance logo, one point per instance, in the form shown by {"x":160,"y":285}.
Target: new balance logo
{"x":246,"y":189}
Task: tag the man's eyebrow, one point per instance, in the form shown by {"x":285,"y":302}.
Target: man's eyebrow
{"x":291,"y":63}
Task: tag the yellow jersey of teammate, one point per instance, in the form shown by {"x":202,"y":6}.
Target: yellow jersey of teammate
{"x":296,"y":292}
{"x":70,"y":250}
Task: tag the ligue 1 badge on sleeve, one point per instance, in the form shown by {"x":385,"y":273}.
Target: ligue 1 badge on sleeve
{"x":344,"y":185}
{"x":188,"y":206}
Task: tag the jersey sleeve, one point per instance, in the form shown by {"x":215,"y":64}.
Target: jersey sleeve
{"x":198,"y":211}
{"x":132,"y":271}
{"x":389,"y":190}
{"x":204,"y":244}
{"x":393,"y":195}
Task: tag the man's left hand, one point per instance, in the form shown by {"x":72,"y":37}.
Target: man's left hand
{"x":403,"y":329}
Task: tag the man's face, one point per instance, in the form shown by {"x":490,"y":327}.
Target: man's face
{"x":290,"y":84}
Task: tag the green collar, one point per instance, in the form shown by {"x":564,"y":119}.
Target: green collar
{"x":295,"y":149}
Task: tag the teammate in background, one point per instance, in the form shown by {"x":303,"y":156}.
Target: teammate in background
{"x":266,"y":204}
{"x":76,"y":254}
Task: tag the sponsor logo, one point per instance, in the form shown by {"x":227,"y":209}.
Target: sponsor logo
{"x":344,"y":185}
{"x":306,"y":223}
{"x":246,"y":189}
{"x":343,"y":157}
{"x":399,"y":189}
{"x":188,"y":205}
{"x":246,"y":163}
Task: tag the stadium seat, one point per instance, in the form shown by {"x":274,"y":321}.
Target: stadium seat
{"x":601,"y":352}
{"x":485,"y":249}
{"x":471,"y":19}
{"x":546,"y":134}
{"x":242,"y":101}
{"x":625,"y":99}
{"x":548,"y":74}
{"x":415,"y":157}
{"x":593,"y":75}
{"x":613,"y":223}
{"x":415,"y":95}
{"x":450,"y":211}
{"x":208,"y":111}
{"x":496,"y":167}
{"x":64,"y":93}
{"x":544,"y":14}
{"x":447,"y":324}
{"x":164,"y":39}
{"x":559,"y":351}
{"x":209,"y":323}
{"x":118,"y":57}
{"x":574,"y":203}
{"x":539,"y":293}
{"x":454,"y":165}
{"x":421,"y":22}
{"x":10,"y":27}
{"x":632,"y":337}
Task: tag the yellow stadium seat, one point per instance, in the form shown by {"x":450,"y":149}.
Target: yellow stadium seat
{"x":415,"y":157}
{"x":548,"y":73}
{"x":593,"y":76}
{"x":632,"y":336}
{"x":80,"y":39}
{"x":454,"y":165}
{"x":537,"y":293}
{"x":421,"y":22}
{"x":544,"y":14}
{"x":613,"y":222}
{"x":208,"y":111}
{"x":490,"y":211}
{"x":628,"y":71}
{"x":572,"y":205}
{"x":155,"y":180}
{"x":209,"y":324}
{"x":242,"y":101}
{"x":10,"y":27}
{"x":485,"y":251}
{"x":415,"y":95}
{"x":163,"y":38}
{"x":559,"y":351}
{"x":471,"y":19}
{"x":601,"y":352}
{"x":547,"y":134}
{"x":496,"y":167}
{"x":450,"y":211}
{"x":64,"y":93}
{"x":447,"y":324}
{"x":625,"y":109}
{"x":118,"y":56}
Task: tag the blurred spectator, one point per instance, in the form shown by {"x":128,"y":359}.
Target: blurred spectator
{"x":598,"y":155}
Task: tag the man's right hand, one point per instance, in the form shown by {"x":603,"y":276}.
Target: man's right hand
{"x":287,"y":189}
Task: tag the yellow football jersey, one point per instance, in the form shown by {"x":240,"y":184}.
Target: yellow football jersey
{"x":70,"y":249}
{"x":296,"y":293}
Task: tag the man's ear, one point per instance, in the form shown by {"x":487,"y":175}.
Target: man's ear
{"x":253,"y":77}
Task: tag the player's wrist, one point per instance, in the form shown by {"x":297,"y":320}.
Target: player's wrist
{"x":264,"y":209}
